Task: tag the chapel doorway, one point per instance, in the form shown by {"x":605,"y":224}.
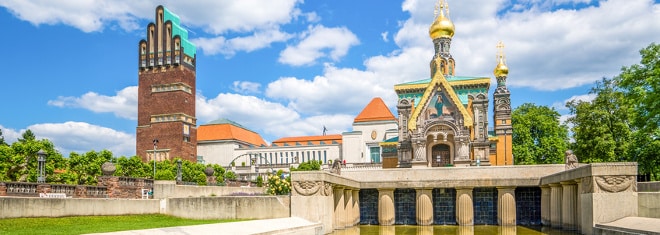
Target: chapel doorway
{"x":440,"y":155}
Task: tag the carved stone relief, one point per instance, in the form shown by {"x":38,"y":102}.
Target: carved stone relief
{"x":609,"y":184}
{"x":307,"y":188}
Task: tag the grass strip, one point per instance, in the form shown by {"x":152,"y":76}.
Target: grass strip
{"x":94,"y":224}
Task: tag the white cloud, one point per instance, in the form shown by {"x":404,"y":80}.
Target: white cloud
{"x":384,"y":36}
{"x":318,"y":42}
{"x":88,"y":16}
{"x":78,"y":137}
{"x":82,"y":137}
{"x":229,"y":47}
{"x":123,"y":105}
{"x":215,"y":17}
{"x":246,"y":87}
{"x":265,"y":117}
{"x":10,"y":135}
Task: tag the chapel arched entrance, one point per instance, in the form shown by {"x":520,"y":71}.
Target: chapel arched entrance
{"x":440,"y":155}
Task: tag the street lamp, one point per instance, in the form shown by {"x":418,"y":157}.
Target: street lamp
{"x":41,"y":159}
{"x":178,"y":171}
{"x":155,"y":147}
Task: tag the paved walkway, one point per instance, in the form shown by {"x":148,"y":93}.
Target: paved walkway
{"x":641,"y":225}
{"x":292,"y":225}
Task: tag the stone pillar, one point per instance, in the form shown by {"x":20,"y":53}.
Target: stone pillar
{"x":506,"y":206}
{"x":424,"y":207}
{"x":545,"y":205}
{"x":568,"y":205}
{"x":338,"y":221}
{"x":3,"y":189}
{"x":348,"y":208}
{"x":555,"y":205}
{"x":386,"y":207}
{"x":356,"y":206}
{"x":464,"y":206}
{"x":578,"y":205}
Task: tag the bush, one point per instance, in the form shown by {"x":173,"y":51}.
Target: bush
{"x":277,"y":185}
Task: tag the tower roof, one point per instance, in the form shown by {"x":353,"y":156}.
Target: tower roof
{"x":224,"y":129}
{"x":376,"y":110}
{"x":442,"y":27}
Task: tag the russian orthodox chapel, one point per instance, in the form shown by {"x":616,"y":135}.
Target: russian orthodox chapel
{"x":443,"y":120}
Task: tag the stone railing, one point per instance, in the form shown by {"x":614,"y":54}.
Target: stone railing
{"x":580,"y":198}
{"x":362,"y":166}
{"x":26,"y":189}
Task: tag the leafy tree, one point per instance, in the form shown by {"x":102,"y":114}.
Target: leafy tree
{"x":27,"y":136}
{"x":87,"y":167}
{"x":538,"y":136}
{"x":601,"y":127}
{"x":641,"y":85}
{"x":2,"y":140}
{"x":21,"y":162}
{"x":312,"y":165}
{"x":132,"y":167}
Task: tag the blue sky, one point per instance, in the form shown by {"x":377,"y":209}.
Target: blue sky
{"x":287,"y":67}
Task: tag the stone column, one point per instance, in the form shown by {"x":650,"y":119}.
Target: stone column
{"x":555,"y":205}
{"x":348,"y":208}
{"x":338,"y":221}
{"x":424,"y":207}
{"x":356,"y":206}
{"x":578,"y":205}
{"x":506,"y":206}
{"x":545,"y":205}
{"x":386,"y":206}
{"x":464,"y":206}
{"x":568,"y":205}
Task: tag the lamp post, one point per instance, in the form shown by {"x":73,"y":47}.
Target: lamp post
{"x":178,"y":171}
{"x":41,"y":159}
{"x":155,"y":147}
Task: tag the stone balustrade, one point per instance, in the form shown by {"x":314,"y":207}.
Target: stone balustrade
{"x":573,"y":199}
{"x":579,"y":198}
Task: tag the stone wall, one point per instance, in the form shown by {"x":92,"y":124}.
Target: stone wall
{"x":20,"y":207}
{"x":169,"y":189}
{"x":125,"y":187}
{"x":230,"y":207}
{"x":649,"y":204}
{"x":253,"y":207}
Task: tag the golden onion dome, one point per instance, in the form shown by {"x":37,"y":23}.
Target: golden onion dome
{"x":501,"y":70}
{"x":442,"y":27}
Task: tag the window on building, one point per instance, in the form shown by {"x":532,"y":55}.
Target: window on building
{"x":375,"y":154}
{"x":186,"y":133}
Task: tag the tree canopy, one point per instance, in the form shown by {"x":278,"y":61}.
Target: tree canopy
{"x":622,"y":122}
{"x":538,"y":136}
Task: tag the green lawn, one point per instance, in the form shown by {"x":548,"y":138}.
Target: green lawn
{"x":93,"y":224}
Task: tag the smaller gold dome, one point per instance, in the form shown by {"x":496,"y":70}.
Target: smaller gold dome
{"x":442,"y":27}
{"x":501,"y":70}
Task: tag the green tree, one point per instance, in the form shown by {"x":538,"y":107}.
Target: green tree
{"x":27,"y":136}
{"x":601,"y":127}
{"x":2,"y":140}
{"x":132,"y":167}
{"x":87,"y":168}
{"x":538,"y":136}
{"x":641,"y":85}
{"x":312,"y":165}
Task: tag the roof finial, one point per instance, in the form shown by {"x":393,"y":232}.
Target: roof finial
{"x":446,"y":8}
{"x":436,"y":9}
{"x":500,"y":53}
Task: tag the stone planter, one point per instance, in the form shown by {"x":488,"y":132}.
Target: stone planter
{"x":108,"y":168}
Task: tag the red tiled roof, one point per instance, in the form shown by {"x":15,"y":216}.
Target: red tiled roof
{"x":305,"y":140}
{"x":227,"y":131}
{"x":376,"y":110}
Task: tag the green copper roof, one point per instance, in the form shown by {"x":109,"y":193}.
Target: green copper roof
{"x":449,"y":78}
{"x":226,"y":121}
{"x":188,"y":47}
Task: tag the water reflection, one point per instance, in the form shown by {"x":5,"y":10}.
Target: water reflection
{"x":449,"y":229}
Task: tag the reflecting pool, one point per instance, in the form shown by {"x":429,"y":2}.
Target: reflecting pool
{"x":449,"y":229}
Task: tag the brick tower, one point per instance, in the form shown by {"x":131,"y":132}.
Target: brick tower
{"x":166,"y":91}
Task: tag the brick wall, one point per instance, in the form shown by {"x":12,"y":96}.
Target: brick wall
{"x":169,"y":134}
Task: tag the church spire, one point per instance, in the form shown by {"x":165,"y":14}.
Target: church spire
{"x":441,"y":32}
{"x":501,"y":70}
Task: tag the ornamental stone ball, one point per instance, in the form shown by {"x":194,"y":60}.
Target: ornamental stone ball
{"x":209,"y":171}
{"x":108,"y":168}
